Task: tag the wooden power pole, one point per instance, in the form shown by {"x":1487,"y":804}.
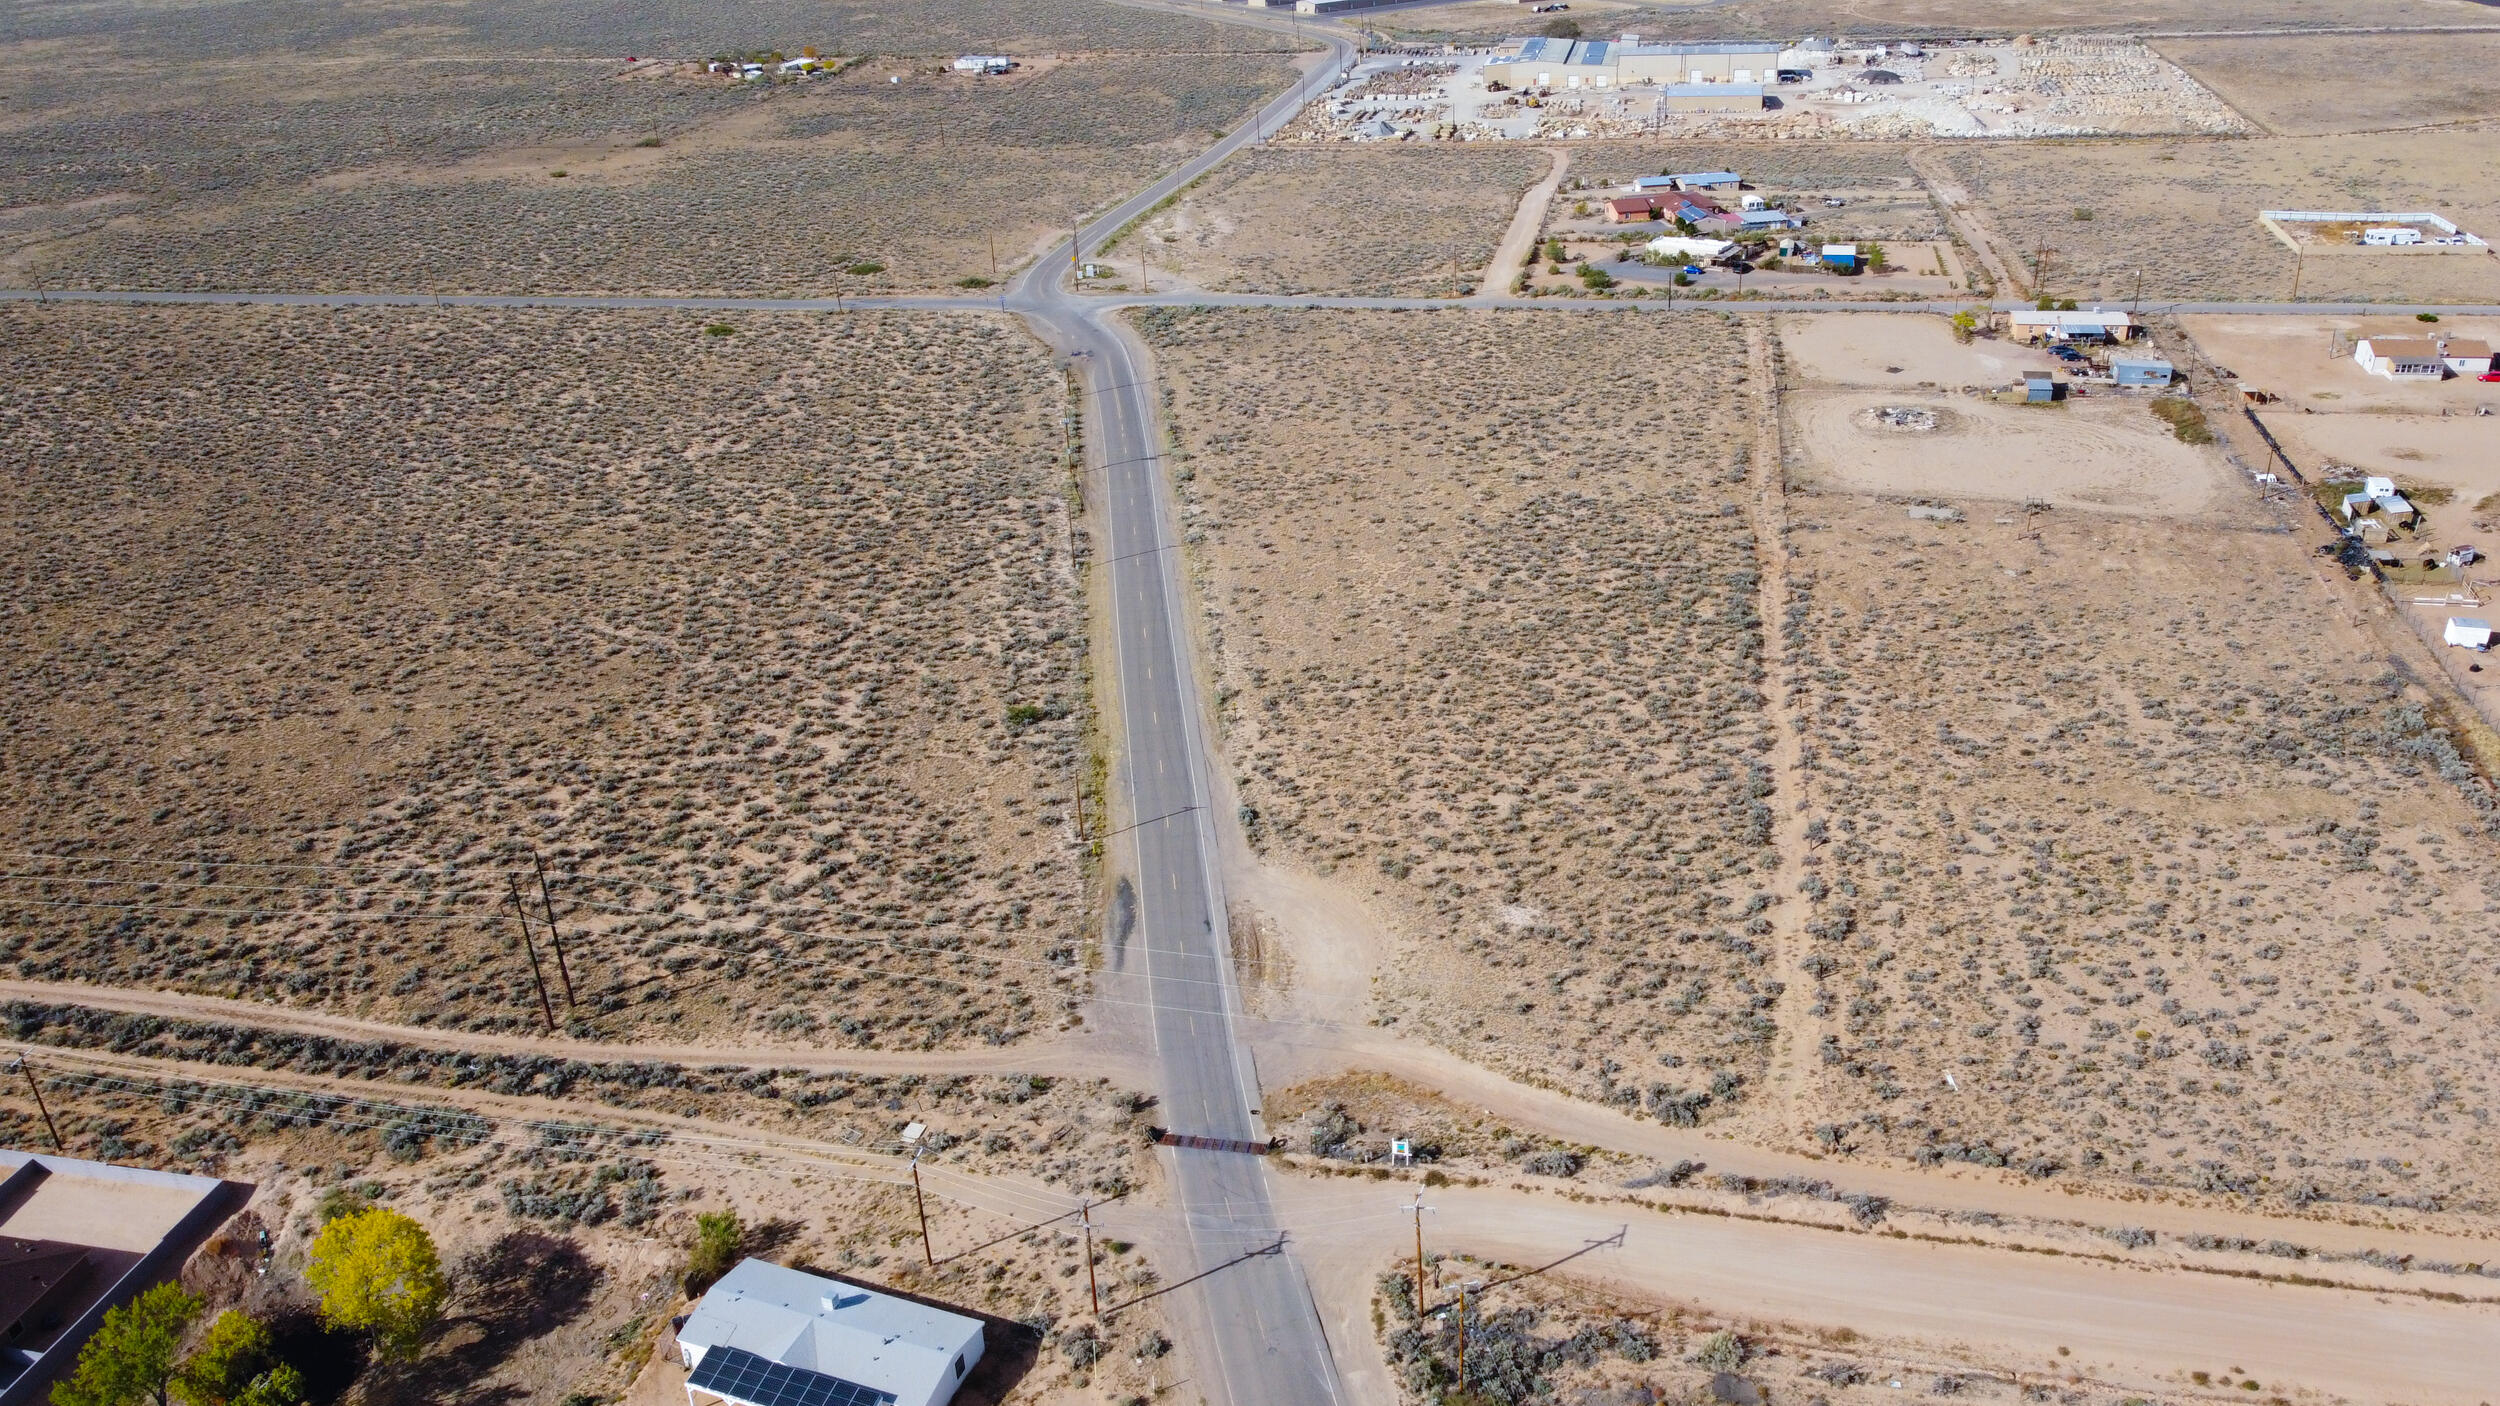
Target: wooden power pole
{"x":37,"y":1090}
{"x":555,"y":935}
{"x":538,"y":974}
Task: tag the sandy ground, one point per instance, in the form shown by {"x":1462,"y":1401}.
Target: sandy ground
{"x":2288,"y":357}
{"x":2347,"y":83}
{"x":2105,"y":453}
{"x":1904,"y":349}
{"x":2457,"y":452}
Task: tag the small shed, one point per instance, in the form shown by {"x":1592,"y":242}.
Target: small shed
{"x":2466,"y":632}
{"x":1841,"y":256}
{"x":2039,"y":388}
{"x":2147,"y":372}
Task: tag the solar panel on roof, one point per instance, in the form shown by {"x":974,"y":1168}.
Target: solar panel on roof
{"x":726,"y":1371}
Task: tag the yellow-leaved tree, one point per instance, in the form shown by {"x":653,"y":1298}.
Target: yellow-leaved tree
{"x":377,"y":1273}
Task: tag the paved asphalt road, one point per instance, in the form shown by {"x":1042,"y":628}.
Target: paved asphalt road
{"x":1260,"y":1336}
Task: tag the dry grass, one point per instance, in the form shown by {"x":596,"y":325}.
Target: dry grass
{"x":2167,"y":897}
{"x":451,"y":186}
{"x":2185,"y":213}
{"x":2348,"y":83}
{"x":1361,"y":220}
{"x":767,"y":642}
{"x":1485,"y":637}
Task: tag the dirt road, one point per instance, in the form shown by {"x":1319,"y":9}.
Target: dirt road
{"x":1059,"y":1057}
{"x":2125,"y":1328}
{"x":1518,"y":246}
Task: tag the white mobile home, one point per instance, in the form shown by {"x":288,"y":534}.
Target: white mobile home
{"x":765,"y":1335}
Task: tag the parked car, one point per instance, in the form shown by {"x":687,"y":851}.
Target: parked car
{"x":2489,"y":376}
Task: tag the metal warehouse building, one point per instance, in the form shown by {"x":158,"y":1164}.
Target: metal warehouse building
{"x":1586,"y":63}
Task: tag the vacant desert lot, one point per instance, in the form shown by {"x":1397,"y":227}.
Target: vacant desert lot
{"x":766,"y":641}
{"x":1352,"y":220}
{"x":1485,"y":634}
{"x":587,"y":181}
{"x":2163,"y":891}
{"x":2348,"y":83}
{"x":2184,"y":214}
{"x":2125,"y":868}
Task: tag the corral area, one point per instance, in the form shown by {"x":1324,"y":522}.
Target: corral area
{"x":1485,"y":639}
{"x":2318,"y":84}
{"x":1891,"y":404}
{"x":763,"y":636}
{"x":2115,"y":875}
{"x":585,"y":177}
{"x":2183,"y":215}
{"x":1356,"y":220}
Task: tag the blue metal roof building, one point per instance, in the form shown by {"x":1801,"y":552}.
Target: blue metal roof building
{"x":2145,"y":372}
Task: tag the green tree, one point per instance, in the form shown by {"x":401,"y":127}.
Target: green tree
{"x":377,"y":1273}
{"x":233,"y":1352}
{"x":717,"y":1237}
{"x":281,"y":1385}
{"x":131,"y":1358}
{"x":1875,"y":257}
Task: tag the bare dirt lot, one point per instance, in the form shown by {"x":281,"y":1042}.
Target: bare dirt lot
{"x":1484,"y":633}
{"x":1885,"y":408}
{"x":2348,"y":83}
{"x":2118,"y":880}
{"x":2184,"y":214}
{"x":2105,"y":454}
{"x":2296,"y":359}
{"x":1359,"y":220}
{"x":586,"y":181}
{"x":766,"y":641}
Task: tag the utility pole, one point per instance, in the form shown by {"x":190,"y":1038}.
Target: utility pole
{"x":2300,"y":256}
{"x":2136,"y":304}
{"x":1463,"y":1286}
{"x":993,"y":256}
{"x":1076,"y":250}
{"x":37,"y":1090}
{"x":554,"y":936}
{"x":1418,"y":1207}
{"x":922,"y":1207}
{"x":1086,"y":1214}
{"x":537,"y":975}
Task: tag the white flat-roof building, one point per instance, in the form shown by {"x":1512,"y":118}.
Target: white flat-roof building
{"x":984,"y":63}
{"x":769,"y":1336}
{"x":2036,"y":326}
{"x":1544,"y":62}
{"x":2466,"y":632}
{"x":2400,"y":358}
